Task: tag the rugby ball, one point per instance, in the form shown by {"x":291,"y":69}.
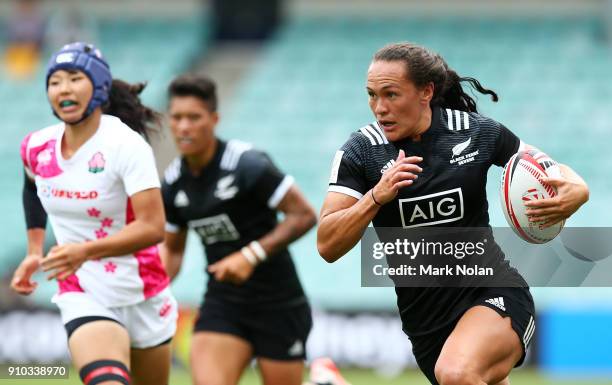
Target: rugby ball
{"x":521,"y":181}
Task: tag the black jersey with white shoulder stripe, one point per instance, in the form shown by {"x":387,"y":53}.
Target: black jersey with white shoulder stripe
{"x":230,"y":203}
{"x":457,"y":151}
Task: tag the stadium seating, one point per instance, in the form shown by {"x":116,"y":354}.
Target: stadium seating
{"x":307,"y":93}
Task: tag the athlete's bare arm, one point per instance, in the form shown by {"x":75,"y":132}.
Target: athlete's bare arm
{"x":146,"y":230}
{"x":299,"y":218}
{"x":343,"y":218}
{"x":21,"y":281}
{"x":172,"y":251}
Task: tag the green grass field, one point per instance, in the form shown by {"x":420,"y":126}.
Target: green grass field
{"x":354,"y":376}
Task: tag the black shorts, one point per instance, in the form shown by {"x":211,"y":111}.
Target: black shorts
{"x":274,"y":333}
{"x":515,"y":303}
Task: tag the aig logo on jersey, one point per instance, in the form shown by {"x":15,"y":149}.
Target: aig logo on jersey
{"x":432,"y":209}
{"x":218,"y":228}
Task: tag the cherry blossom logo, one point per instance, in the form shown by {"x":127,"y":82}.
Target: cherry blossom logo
{"x":110,"y":267}
{"x":106,"y":222}
{"x":100,"y":233}
{"x":96,"y":163}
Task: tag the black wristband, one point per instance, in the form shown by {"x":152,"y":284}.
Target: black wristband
{"x":374,"y":199}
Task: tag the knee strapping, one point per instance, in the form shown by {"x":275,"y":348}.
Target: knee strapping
{"x":105,"y":370}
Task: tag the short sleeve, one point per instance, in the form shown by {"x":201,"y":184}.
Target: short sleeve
{"x":261,"y":178}
{"x":24,"y":156}
{"x":347,"y":171}
{"x":506,"y":145}
{"x":174,"y":221}
{"x":136,"y":166}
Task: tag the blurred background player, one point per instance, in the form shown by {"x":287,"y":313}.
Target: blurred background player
{"x":230,"y":194}
{"x":422,"y":113}
{"x":96,"y":178}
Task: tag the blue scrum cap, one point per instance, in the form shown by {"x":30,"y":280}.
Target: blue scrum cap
{"x":88,"y":59}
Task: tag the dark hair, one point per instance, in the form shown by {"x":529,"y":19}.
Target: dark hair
{"x":200,"y":87}
{"x":124,"y":103}
{"x":424,"y":66}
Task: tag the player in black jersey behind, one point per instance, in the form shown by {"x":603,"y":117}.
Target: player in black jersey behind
{"x":230,"y":194}
{"x":411,"y":157}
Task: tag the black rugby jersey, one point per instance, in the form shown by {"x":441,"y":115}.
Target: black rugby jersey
{"x":231,"y":203}
{"x":457,"y":151}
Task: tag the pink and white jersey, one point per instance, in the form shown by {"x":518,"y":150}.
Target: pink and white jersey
{"x":87,"y":198}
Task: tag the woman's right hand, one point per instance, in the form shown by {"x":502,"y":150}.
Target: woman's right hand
{"x":22,"y":282}
{"x":401,"y":174}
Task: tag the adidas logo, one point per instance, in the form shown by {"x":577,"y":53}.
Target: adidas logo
{"x":181,"y":200}
{"x":497,"y":302}
{"x":297,"y":349}
{"x":387,"y":166}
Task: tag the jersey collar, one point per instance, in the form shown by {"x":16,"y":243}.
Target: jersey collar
{"x":431,"y":131}
{"x":210,"y":167}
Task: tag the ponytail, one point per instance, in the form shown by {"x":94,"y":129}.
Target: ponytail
{"x":124,"y":103}
{"x":424,"y":66}
{"x":454,"y":97}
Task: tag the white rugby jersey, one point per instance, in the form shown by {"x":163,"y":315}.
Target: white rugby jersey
{"x":86,"y":198}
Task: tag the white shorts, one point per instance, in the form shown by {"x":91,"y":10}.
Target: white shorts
{"x":148,"y":323}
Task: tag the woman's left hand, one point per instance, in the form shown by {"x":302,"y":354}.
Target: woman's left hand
{"x":234,"y":268}
{"x":570,"y":196}
{"x":64,"y":260}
